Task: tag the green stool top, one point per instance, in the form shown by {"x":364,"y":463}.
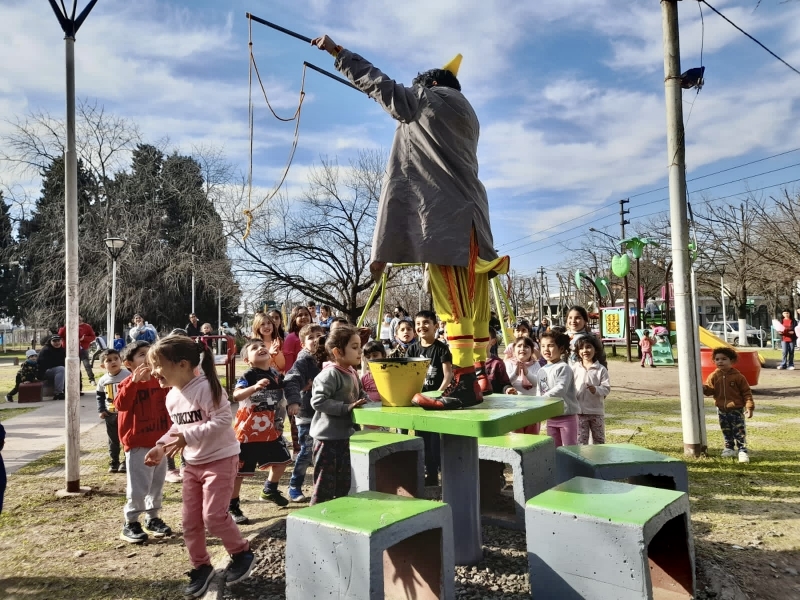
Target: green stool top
{"x":616,"y":454}
{"x":365,"y":512}
{"x":608,"y":500}
{"x":363,"y":442}
{"x":515,"y":441}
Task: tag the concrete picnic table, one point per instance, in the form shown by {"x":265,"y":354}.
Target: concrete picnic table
{"x":460,"y":430}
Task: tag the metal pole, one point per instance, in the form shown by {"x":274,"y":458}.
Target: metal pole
{"x":192,"y":266}
{"x":541,"y":292}
{"x":694,"y":442}
{"x":73,"y":449}
{"x":724,"y":312}
{"x":622,"y":223}
{"x":219,"y":320}
{"x":110,"y":341}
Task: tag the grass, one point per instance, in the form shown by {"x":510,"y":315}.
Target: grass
{"x":14,"y":412}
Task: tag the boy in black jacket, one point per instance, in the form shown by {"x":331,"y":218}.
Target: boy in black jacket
{"x":297,"y":390}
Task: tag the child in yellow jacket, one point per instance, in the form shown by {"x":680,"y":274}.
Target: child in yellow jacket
{"x":734,"y":399}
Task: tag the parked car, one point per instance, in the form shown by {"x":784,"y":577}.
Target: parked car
{"x":754,"y":336}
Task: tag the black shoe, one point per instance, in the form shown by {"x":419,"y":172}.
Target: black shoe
{"x":122,"y":468}
{"x":199,"y":579}
{"x":59,"y":396}
{"x":9,"y":398}
{"x":464,"y":387}
{"x":132,"y":532}
{"x":236,"y":512}
{"x":240,"y":567}
{"x":157,"y":528}
{"x":274,"y":496}
{"x":442,"y":403}
{"x":112,"y":468}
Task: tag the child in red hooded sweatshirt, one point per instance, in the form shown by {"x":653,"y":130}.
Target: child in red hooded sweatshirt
{"x":143,"y":419}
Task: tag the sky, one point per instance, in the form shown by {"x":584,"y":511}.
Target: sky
{"x":569,"y":93}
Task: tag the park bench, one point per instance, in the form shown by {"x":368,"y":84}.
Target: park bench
{"x":9,"y":360}
{"x":370,"y":546}
{"x":387,"y":462}
{"x":595,"y":540}
{"x":622,"y":462}
{"x":532,"y":459}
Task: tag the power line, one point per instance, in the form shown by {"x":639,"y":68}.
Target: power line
{"x":750,"y":36}
{"x":614,"y":203}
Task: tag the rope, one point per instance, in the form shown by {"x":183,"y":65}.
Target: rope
{"x":248,"y":212}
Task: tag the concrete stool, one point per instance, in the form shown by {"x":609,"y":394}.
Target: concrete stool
{"x":30,"y":391}
{"x":595,"y":539}
{"x":370,"y":546}
{"x":532,"y":459}
{"x":387,"y":462}
{"x":622,"y":462}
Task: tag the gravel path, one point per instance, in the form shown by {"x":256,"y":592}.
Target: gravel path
{"x":502,"y":575}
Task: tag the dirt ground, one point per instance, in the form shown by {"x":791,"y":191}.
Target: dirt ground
{"x":748,"y":546}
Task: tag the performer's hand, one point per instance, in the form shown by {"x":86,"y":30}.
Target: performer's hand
{"x":376,"y":269}
{"x":293,"y":409}
{"x":749,"y":413}
{"x":324,"y":43}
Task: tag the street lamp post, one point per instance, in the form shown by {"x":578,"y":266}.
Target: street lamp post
{"x":115,"y":246}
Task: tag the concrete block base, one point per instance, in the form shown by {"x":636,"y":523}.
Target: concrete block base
{"x":387,"y":462}
{"x":370,"y":546}
{"x":622,"y":462}
{"x":593,"y":539}
{"x":532,"y":459}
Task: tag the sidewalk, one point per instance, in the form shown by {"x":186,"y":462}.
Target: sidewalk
{"x":36,"y":433}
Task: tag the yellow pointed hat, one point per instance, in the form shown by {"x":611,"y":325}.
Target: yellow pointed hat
{"x":454,"y":65}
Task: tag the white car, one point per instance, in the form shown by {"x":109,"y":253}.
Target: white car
{"x":732,"y":332}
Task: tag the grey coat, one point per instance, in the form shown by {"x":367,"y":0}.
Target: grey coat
{"x":431,"y":197}
{"x":331,"y":393}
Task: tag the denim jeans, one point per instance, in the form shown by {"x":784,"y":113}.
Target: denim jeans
{"x":787,"y":359}
{"x":303,"y":458}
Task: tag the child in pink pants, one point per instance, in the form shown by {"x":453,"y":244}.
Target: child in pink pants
{"x":202,"y":430}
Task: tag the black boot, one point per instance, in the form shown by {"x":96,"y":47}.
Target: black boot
{"x":462,"y":392}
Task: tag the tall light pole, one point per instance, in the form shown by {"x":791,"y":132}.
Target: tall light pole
{"x":115,"y":246}
{"x":70,"y":25}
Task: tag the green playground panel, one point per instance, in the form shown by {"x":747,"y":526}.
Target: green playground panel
{"x":497,"y":415}
{"x":662,"y":351}
{"x":365,"y":441}
{"x":515,"y":441}
{"x":608,"y":500}
{"x":617,"y":454}
{"x":366,"y":512}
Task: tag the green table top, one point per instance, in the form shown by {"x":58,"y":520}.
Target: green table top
{"x":497,"y":415}
{"x":365,"y":512}
{"x":608,"y":500}
{"x":617,"y":454}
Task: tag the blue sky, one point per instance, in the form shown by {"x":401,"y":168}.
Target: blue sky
{"x":569,"y":93}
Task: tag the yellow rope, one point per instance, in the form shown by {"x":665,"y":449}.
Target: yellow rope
{"x":248,"y":212}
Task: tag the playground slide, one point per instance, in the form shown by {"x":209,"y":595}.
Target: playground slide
{"x":709,"y":340}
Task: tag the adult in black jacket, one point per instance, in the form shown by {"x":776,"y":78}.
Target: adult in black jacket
{"x":193,"y":327}
{"x":51,"y":364}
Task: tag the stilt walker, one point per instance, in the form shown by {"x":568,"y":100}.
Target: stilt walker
{"x":433,"y":209}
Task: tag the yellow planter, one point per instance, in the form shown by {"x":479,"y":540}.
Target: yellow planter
{"x":398,"y":379}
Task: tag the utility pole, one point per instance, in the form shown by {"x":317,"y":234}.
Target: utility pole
{"x":622,"y":222}
{"x":541,"y":295}
{"x":72,"y":455}
{"x":693,"y":416}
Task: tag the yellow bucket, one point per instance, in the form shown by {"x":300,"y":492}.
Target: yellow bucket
{"x":398,"y":379}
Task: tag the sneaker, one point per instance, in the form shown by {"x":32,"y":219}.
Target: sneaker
{"x":791,"y":367}
{"x":157,"y":528}
{"x":9,"y":398}
{"x":274,"y":496}
{"x":296,"y":495}
{"x":464,"y":387}
{"x":652,"y":366}
{"x":728,"y":453}
{"x":240,"y":567}
{"x":59,"y":396}
{"x":112,"y":468}
{"x":236,"y":513}
{"x":642,"y":365}
{"x":92,"y":382}
{"x":173,"y":476}
{"x":743,"y":458}
{"x":199,"y":579}
{"x":132,"y":532}
{"x":122,"y":468}
{"x":780,"y":367}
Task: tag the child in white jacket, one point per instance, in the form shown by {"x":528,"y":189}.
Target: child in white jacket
{"x":592,"y":384}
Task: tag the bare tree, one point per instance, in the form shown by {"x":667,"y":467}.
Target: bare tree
{"x":317,"y":246}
